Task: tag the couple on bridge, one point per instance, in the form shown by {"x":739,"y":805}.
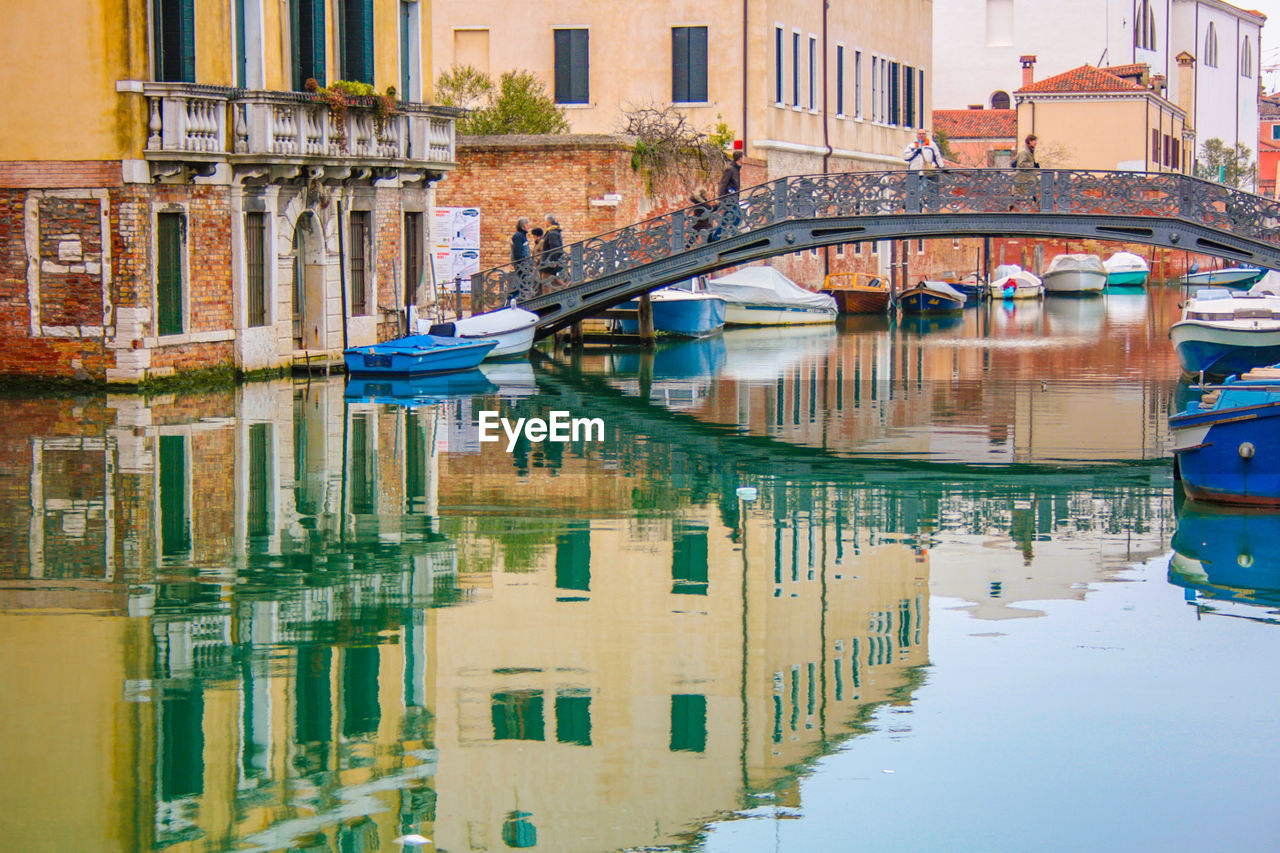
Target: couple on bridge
{"x":923,"y":155}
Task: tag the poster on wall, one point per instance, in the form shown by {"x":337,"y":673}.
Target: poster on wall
{"x":455,"y":246}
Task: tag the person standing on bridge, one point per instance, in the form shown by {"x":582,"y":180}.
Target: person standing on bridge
{"x":552,"y":255}
{"x":922,"y":155}
{"x":1025,"y":182}
{"x":521,"y":256}
{"x":730,"y":183}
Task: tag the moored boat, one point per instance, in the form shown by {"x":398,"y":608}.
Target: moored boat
{"x":762,"y":296}
{"x":1226,"y":446}
{"x":857,"y":293}
{"x":931,"y":297}
{"x":1224,"y":332}
{"x":1237,"y":277}
{"x":511,"y":329}
{"x":1076,"y":275}
{"x":687,"y":310}
{"x":416,"y":355}
{"x":1125,"y":269}
{"x":1011,"y":281}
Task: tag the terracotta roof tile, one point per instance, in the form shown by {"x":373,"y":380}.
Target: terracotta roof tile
{"x":1086,"y":78}
{"x":976,"y":124}
{"x":1134,"y":70}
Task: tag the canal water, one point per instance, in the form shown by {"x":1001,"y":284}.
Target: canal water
{"x":888,"y":586}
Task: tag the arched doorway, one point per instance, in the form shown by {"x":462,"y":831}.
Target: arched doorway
{"x":308,"y":283}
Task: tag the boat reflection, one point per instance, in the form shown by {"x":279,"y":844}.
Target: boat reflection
{"x":1228,"y":555}
{"x":925,"y":324}
{"x":1073,"y":315}
{"x":767,"y":353}
{"x":418,"y":390}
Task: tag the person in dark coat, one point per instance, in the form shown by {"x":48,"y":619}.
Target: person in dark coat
{"x":551,"y":262}
{"x":699,"y":216}
{"x":730,"y":183}
{"x":520,"y":241}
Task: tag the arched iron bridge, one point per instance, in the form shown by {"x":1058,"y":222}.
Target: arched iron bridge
{"x":790,"y":214}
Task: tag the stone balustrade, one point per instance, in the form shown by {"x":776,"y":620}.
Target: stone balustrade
{"x":210,"y":122}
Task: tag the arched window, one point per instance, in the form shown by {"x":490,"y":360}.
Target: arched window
{"x":1211,"y":46}
{"x":1246,"y":58}
{"x":1144,"y":29}
{"x":999,"y":100}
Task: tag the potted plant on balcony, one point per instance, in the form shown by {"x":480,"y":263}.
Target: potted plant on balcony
{"x":341,"y":95}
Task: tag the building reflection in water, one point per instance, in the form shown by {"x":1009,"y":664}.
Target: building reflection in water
{"x":275,"y":619}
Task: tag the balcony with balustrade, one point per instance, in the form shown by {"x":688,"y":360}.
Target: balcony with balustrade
{"x":199,"y":127}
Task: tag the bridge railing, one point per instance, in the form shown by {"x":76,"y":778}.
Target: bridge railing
{"x":857,"y":194}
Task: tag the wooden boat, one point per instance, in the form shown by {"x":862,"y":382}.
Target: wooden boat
{"x":1075,"y":275}
{"x":931,"y":297}
{"x":1125,"y":269}
{"x":511,"y":329}
{"x":1224,"y":332}
{"x":416,"y":355}
{"x":857,"y":293}
{"x":1226,"y":446}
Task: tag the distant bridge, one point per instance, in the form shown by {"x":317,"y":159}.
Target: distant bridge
{"x":790,"y":214}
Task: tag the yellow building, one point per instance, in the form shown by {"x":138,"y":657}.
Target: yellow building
{"x":175,"y":199}
{"x":1105,"y":119}
{"x":805,"y":85}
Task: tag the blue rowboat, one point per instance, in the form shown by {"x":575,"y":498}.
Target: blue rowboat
{"x":931,"y":297}
{"x":416,"y":355}
{"x":1227,"y":553}
{"x":687,"y":310}
{"x":1227,"y":444}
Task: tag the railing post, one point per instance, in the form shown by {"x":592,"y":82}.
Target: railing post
{"x":574,"y":274}
{"x":677,"y":232}
{"x":1048,"y":203}
{"x":913,"y":191}
{"x":780,"y":197}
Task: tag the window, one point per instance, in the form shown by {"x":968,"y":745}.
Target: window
{"x":1211,"y":46}
{"x":857,"y":249}
{"x":778,"y":60}
{"x":1177,"y":154}
{"x":839,"y":79}
{"x":171,"y":238}
{"x":840,"y":250}
{"x":1168,"y":150}
{"x":173,"y":27}
{"x":258,"y":525}
{"x":795,"y":69}
{"x":313,"y":712}
{"x":359,"y":229}
{"x":689,"y":64}
{"x":813,"y":73}
{"x":895,"y":104}
{"x":175,"y":509}
{"x":364,"y":466}
{"x":875,"y":88}
{"x":1144,"y":30}
{"x":573,"y":717}
{"x":361,"y":712}
{"x":410,"y":53}
{"x":517,"y":715}
{"x":999,"y":100}
{"x":689,"y":559}
{"x":1246,"y":58}
{"x":688,"y":723}
{"x":413,"y":267}
{"x":573,"y":557}
{"x":919,"y":247}
{"x":1155,"y":147}
{"x":909,"y":96}
{"x":181,"y":743}
{"x":255,"y":254}
{"x":572,"y":67}
{"x":306,"y":20}
{"x":357,"y":40}
{"x":857,"y":83}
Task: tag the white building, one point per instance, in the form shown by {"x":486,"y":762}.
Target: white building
{"x":978,"y":45}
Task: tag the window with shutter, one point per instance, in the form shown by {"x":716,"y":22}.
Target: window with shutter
{"x":908,"y":96}
{"x":572,"y":67}
{"x":170,"y":237}
{"x":307,"y":29}
{"x":839,"y":79}
{"x":689,"y":64}
{"x":359,"y":230}
{"x":255,"y":243}
{"x":173,"y":26}
{"x":357,"y":40}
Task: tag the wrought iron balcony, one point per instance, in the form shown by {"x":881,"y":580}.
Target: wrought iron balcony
{"x":190,"y":122}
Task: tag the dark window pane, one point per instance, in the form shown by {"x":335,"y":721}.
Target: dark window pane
{"x":357,"y":40}
{"x":689,"y":64}
{"x":175,"y":513}
{"x":314,"y":711}
{"x":572,"y":69}
{"x":259,"y":505}
{"x":359,"y":262}
{"x":255,"y":251}
{"x":181,"y":743}
{"x":363,"y":467}
{"x":306,"y":18}
{"x":173,"y":25}
{"x":518,"y":832}
{"x":360,"y":710}
{"x":517,"y":715}
{"x":170,"y":236}
{"x":573,"y":557}
{"x":689,"y":559}
{"x":573,"y":719}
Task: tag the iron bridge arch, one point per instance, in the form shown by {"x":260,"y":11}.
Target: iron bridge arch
{"x":790,"y":214}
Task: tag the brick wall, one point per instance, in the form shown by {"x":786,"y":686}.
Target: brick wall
{"x":59,"y":174}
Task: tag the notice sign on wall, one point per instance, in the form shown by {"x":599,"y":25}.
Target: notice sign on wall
{"x":455,"y":246}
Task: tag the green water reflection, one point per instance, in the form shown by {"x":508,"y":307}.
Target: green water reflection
{"x":291,"y":617}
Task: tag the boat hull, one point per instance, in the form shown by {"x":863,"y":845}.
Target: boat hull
{"x":691,"y":316}
{"x":1241,"y":277}
{"x":918,"y":301}
{"x":748,"y":314}
{"x":512,"y":338}
{"x":1133,"y":278}
{"x":860,"y":301}
{"x":1074,"y":282}
{"x":1230,"y":456}
{"x":1218,"y":351}
{"x":418,"y":355}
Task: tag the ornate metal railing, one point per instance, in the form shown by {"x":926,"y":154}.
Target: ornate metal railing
{"x":1001,"y":197}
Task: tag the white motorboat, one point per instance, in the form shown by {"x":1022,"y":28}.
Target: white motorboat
{"x":1125,"y":269}
{"x":1077,"y":275}
{"x":1224,"y":332}
{"x":1011,"y":281}
{"x":512,"y":328}
{"x":1237,"y":277}
{"x":762,"y":296}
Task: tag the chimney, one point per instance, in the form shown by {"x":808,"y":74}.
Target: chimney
{"x":1187,"y":86}
{"x":975,"y":106}
{"x":1028,"y":69}
{"x":1157,"y":83}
